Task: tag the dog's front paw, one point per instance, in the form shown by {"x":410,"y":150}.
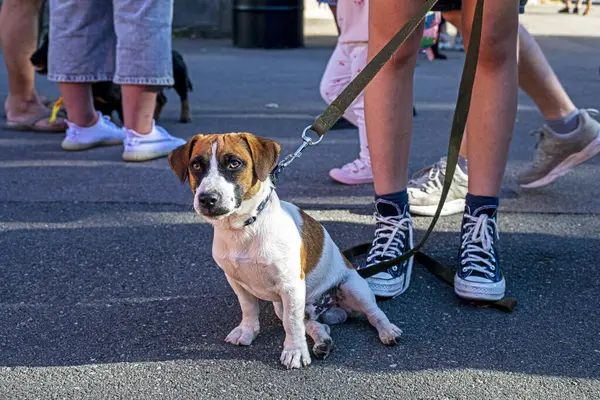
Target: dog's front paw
{"x":390,"y":335}
{"x":242,"y":335}
{"x":322,"y":349}
{"x":295,"y":358}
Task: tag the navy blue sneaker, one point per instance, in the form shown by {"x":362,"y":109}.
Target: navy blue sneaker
{"x":479,"y":276}
{"x":393,"y":237}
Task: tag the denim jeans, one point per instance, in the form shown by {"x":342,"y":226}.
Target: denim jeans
{"x":124,"y":41}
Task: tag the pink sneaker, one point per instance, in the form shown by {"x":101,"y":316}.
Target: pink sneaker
{"x":353,"y":173}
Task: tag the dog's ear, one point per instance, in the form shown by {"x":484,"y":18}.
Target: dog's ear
{"x":179,"y":158}
{"x":264,"y":153}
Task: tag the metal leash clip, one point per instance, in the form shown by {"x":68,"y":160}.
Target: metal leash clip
{"x":306,"y":142}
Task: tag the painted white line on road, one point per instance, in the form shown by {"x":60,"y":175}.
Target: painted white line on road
{"x":98,"y":303}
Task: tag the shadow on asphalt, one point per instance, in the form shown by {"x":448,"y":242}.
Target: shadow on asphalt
{"x":108,"y":295}
{"x":75,"y":296}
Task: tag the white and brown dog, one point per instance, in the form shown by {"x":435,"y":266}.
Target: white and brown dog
{"x":270,"y":249}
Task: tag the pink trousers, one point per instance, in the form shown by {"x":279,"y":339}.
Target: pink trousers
{"x":347,"y":60}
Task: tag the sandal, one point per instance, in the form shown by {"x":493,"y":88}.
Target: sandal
{"x":62,"y":113}
{"x":30,"y":124}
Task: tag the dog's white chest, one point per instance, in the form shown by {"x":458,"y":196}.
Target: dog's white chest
{"x":260,"y":266}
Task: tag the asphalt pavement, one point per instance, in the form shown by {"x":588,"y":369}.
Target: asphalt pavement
{"x":108,"y":289}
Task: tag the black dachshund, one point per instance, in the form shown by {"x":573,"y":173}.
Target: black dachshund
{"x":107,"y":95}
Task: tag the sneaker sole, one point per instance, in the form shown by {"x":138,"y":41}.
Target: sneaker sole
{"x":349,"y":181}
{"x":386,"y":287}
{"x":590,"y":151}
{"x":73,"y":146}
{"x":479,"y":291}
{"x":450,"y":207}
{"x":390,"y":287}
{"x":144,"y":156}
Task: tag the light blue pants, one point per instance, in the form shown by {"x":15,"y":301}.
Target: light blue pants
{"x":124,"y":41}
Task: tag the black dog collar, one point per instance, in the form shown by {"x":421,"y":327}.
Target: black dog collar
{"x":260,"y":208}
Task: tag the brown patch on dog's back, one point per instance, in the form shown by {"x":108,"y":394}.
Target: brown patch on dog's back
{"x":313,"y":240}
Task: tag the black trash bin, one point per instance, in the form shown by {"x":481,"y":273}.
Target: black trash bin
{"x":268,"y":24}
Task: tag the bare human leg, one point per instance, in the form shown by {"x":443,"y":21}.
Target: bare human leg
{"x":79,"y":103}
{"x":541,"y":84}
{"x":494,"y":104}
{"x":588,"y":7}
{"x":388,"y":97}
{"x":18,"y":34}
{"x":536,"y":78}
{"x":139,"y":103}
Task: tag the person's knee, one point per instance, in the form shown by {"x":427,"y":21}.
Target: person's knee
{"x":381,"y":33}
{"x":31,"y":7}
{"x":453,"y":17}
{"x":498,"y":45}
{"x":405,"y":56}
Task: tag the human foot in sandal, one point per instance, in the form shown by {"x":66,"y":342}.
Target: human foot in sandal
{"x":32,"y":116}
{"x":44,"y":100}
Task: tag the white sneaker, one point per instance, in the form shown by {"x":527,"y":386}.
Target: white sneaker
{"x":425,"y":190}
{"x":393,"y":237}
{"x":353,"y":173}
{"x":459,"y":44}
{"x":102,"y":133}
{"x":444,"y":42}
{"x":156,"y":144}
{"x":557,"y":154}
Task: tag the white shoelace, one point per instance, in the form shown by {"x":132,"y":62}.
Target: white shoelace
{"x":430,"y":182}
{"x":478,"y":238}
{"x":394,"y":230}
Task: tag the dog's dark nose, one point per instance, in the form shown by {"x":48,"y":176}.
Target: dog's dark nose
{"x":208,"y":200}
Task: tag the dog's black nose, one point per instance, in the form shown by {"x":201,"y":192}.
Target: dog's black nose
{"x":208,"y":200}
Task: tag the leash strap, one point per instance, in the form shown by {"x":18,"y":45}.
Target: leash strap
{"x":447,"y":275}
{"x":55,"y":109}
{"x":461,"y":112}
{"x":441,"y":272}
{"x":459,"y":122}
{"x":337,"y":108}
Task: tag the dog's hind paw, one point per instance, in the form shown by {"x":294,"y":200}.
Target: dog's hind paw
{"x":390,"y":335}
{"x":242,"y":335}
{"x":295,"y":358}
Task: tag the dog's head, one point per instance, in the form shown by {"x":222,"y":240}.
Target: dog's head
{"x":224,"y":170}
{"x":39,"y":59}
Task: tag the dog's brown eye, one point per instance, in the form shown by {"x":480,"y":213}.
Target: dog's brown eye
{"x":234,"y":164}
{"x":196,"y":166}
